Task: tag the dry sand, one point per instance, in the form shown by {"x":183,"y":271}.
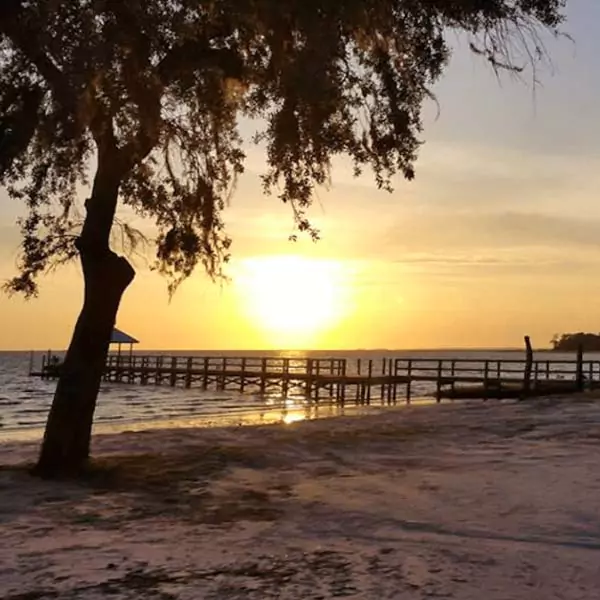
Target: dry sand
{"x":482,"y":501}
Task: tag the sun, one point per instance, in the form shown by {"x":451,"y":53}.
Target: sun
{"x":293,"y":298}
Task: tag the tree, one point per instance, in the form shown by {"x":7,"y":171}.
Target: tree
{"x":572,"y":342}
{"x":143,"y":97}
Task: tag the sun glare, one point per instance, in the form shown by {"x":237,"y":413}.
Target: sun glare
{"x":294,"y":299}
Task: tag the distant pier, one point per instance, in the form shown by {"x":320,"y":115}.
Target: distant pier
{"x":360,"y":381}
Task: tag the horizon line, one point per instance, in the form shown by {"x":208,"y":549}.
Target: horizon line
{"x":256,"y":350}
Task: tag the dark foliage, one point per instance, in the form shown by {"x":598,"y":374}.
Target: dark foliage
{"x":571,"y":342}
{"x":163,"y":83}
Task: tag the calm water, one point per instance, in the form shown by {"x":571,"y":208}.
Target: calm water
{"x":24,"y":400}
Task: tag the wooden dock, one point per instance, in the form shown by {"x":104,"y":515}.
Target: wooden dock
{"x":339,"y":380}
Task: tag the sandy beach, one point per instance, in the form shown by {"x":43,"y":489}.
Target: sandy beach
{"x":486,"y":500}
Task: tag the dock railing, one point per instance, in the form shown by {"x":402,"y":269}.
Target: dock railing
{"x":337,"y":377}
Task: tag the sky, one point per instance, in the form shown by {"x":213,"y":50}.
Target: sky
{"x":498,"y":236}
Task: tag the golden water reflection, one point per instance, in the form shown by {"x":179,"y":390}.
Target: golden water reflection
{"x":268,"y":416}
{"x":293,"y":418}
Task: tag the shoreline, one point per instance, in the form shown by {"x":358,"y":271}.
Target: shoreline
{"x":461,"y":501}
{"x":228,"y":418}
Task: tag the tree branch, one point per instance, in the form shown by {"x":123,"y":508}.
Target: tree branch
{"x":192,"y":54}
{"x":15,"y":25}
{"x":9,"y":9}
{"x":148,"y":134}
{"x":188,"y":56}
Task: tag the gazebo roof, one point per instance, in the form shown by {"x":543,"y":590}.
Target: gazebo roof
{"x":120,"y":337}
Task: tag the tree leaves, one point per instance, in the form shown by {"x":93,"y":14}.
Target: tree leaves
{"x":160,"y":85}
{"x":571,"y":342}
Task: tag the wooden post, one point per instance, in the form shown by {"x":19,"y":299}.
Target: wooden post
{"x":130,"y":372}
{"x":144,"y":371}
{"x":157,"y":370}
{"x":383,"y":385}
{"x":114,"y":373}
{"x":173,"y":378}
{"x":243,"y":375}
{"x":317,"y":381}
{"x":342,"y":388}
{"x":358,"y":366}
{"x":395,"y":382}
{"x":285,"y":377}
{"x":205,"y":374}
{"x":528,"y":365}
{"x":308,"y":384}
{"x":547,"y":369}
{"x":369,"y":375}
{"x":438,"y":391}
{"x":221,"y":376}
{"x":453,"y":375}
{"x":579,"y":377}
{"x":486,"y":374}
{"x":409,"y":381}
{"x":188,"y":372}
{"x":263,"y":375}
{"x":338,"y":372}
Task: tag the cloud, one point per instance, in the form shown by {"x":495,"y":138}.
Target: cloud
{"x":472,"y":230}
{"x":462,"y":176}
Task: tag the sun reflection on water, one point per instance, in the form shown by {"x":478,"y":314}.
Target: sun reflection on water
{"x":294,"y":417}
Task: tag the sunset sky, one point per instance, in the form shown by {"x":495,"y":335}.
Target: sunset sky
{"x":499,"y":235}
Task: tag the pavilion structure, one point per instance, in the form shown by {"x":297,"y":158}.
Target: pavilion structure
{"x":120,"y":339}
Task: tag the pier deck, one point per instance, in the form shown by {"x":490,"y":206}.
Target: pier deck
{"x":388,"y":379}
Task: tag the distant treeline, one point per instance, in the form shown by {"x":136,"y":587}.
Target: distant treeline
{"x":570,"y":342}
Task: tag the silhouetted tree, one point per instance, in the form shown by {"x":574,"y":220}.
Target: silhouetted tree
{"x":571,"y":342}
{"x":143,"y":97}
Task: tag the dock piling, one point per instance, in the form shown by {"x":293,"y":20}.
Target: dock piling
{"x":438,"y":383}
{"x":364,"y":380}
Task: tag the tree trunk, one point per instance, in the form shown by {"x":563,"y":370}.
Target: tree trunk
{"x":66,"y":446}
